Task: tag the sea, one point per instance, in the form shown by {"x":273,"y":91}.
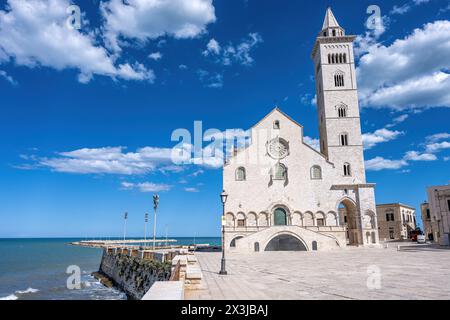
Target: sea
{"x":38,"y":269}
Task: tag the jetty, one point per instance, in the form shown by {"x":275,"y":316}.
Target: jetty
{"x":104,"y":244}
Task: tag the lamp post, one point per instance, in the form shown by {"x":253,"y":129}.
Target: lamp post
{"x":125,"y":217}
{"x":155,"y":206}
{"x":145,"y":229}
{"x":223,"y":197}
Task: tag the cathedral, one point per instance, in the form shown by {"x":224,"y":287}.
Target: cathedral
{"x":284,"y":195}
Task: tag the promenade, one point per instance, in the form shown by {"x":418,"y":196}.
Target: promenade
{"x":415,"y":272}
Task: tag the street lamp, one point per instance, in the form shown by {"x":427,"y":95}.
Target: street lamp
{"x":145,"y":229}
{"x":223,"y":197}
{"x":155,"y":206}
{"x":125,"y":217}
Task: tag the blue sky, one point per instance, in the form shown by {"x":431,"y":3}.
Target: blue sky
{"x":87,"y":114}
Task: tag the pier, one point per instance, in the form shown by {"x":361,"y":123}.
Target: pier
{"x":104,"y":244}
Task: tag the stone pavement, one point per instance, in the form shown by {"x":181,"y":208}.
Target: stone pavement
{"x":415,"y":272}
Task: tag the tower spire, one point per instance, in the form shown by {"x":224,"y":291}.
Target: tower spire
{"x":331,"y":27}
{"x":330,"y":20}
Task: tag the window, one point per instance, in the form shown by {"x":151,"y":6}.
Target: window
{"x":390,"y":216}
{"x":241,"y":223}
{"x":343,"y":139}
{"x":240,"y":174}
{"x":316,"y":173}
{"x":334,"y":33}
{"x":339,"y":80}
{"x":448,"y":204}
{"x":391,"y":233}
{"x":279,"y":172}
{"x":320,"y":222}
{"x":329,"y":58}
{"x":342,"y":112}
{"x":428,"y":214}
{"x":347,"y":171}
{"x":276,"y":125}
{"x":345,"y":58}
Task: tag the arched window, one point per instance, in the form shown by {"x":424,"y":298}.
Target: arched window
{"x":276,"y":124}
{"x":332,"y":58}
{"x":279,"y":172}
{"x":240,"y":220}
{"x":343,"y":139}
{"x":240,"y":174}
{"x":347,"y":170}
{"x":339,"y":80}
{"x":342,"y":112}
{"x":316,"y":173}
{"x":329,"y":58}
{"x":345,"y":58}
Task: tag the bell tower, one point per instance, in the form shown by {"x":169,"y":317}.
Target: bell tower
{"x":337,"y":101}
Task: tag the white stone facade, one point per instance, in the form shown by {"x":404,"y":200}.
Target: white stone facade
{"x":429,"y":221}
{"x":439,"y":205}
{"x":283,"y":190}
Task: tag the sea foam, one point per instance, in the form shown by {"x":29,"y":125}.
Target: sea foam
{"x":29,"y":290}
{"x":10,"y":297}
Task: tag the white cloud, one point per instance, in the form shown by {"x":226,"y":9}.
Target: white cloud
{"x":197,"y":173}
{"x":415,"y":156}
{"x":192,"y":190}
{"x":211,"y":80}
{"x":438,"y":146}
{"x":143,"y":20}
{"x":182,"y":67}
{"x":438,"y":136}
{"x":213,"y":47}
{"x":407,"y":6}
{"x":370,"y":140}
{"x":312,"y":142}
{"x":7,"y":77}
{"x":380,"y":163}
{"x":146,"y":186}
{"x":34,"y":33}
{"x":364,"y":42}
{"x":109,"y":160}
{"x":114,"y":160}
{"x":308,"y":99}
{"x":155,"y":56}
{"x":417,"y":76}
{"x":446,"y":158}
{"x":397,"y":120}
{"x":234,"y":54}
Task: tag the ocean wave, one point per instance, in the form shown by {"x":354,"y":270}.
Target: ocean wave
{"x":29,"y":290}
{"x":19,"y":292}
{"x":10,"y":297}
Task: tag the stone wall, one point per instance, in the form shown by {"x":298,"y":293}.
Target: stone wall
{"x":132,"y":274}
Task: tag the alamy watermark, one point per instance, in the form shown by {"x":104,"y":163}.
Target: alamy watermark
{"x":74,"y":280}
{"x":74,"y":19}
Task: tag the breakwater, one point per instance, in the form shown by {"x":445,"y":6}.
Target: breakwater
{"x":132,"y":274}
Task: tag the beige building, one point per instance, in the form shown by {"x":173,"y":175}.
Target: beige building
{"x":439,"y":205}
{"x":286,"y":195}
{"x":395,"y":221}
{"x":430,"y":226}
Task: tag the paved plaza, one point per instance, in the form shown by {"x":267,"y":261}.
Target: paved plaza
{"x":414,"y":272}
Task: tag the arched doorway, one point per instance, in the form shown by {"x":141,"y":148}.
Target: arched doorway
{"x":347,"y":213}
{"x":233,"y":242}
{"x":279,"y":217}
{"x":285,"y":242}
